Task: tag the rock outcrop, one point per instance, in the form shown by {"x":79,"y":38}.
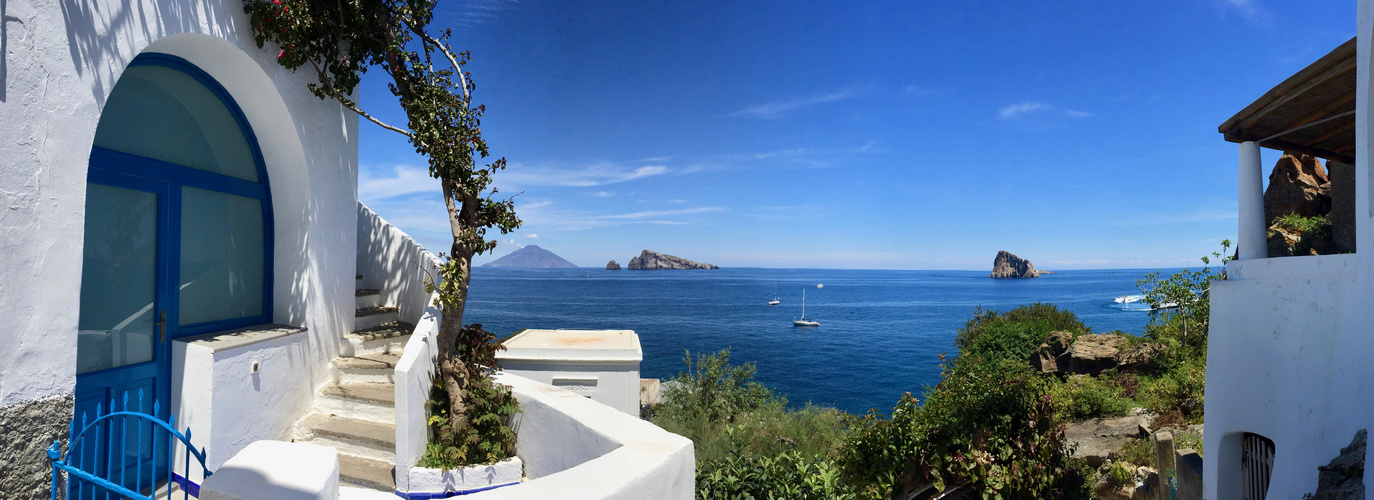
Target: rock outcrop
{"x":613,"y":266}
{"x":1091,"y":354}
{"x":1007,"y":265}
{"x":1098,"y":439}
{"x":1343,"y":478}
{"x":1297,"y":185}
{"x":650,"y":260}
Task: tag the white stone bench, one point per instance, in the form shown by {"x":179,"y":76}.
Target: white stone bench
{"x":276,"y":470}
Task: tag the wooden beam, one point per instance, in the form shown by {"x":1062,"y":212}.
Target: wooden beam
{"x":1278,"y":102}
{"x":1282,"y":145}
{"x":1328,"y":110}
{"x":1344,"y":52}
{"x":1332,"y":133}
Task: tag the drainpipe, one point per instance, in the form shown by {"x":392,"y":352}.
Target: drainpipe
{"x":1250,"y":240}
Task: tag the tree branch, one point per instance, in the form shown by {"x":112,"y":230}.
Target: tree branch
{"x":347,"y":103}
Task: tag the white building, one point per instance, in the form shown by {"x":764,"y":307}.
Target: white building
{"x":179,"y":219}
{"x":1289,"y":377}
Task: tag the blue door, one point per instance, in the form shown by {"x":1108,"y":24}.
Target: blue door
{"x":178,"y":241}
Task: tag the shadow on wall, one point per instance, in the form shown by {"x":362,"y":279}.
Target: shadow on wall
{"x":5,"y":20}
{"x":99,"y":40}
{"x":391,"y":260}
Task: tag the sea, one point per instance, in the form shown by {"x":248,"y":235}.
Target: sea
{"x":881,"y":333}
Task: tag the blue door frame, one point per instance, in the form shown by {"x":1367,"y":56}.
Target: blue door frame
{"x":166,"y":180}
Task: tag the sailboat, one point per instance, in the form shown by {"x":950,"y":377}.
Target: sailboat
{"x":804,"y":321}
{"x":774,"y":302}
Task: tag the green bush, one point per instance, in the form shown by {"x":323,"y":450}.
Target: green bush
{"x":1015,"y":333}
{"x":1180,"y":388}
{"x":712,"y":396}
{"x":786,"y":475}
{"x":1082,"y":398}
{"x":989,"y":424}
{"x":484,"y":435}
{"x":1121,"y":475}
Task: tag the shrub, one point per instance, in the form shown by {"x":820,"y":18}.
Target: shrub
{"x":712,"y":397}
{"x":1086,"y":397}
{"x":484,"y":436}
{"x":1015,"y":333}
{"x":1121,"y":475}
{"x":989,"y":425}
{"x":786,"y":475}
{"x":1180,"y":389}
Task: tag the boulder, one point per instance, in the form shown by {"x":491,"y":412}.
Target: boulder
{"x":1140,"y":357}
{"x":1052,"y":355}
{"x":1343,"y":478}
{"x":613,"y":266}
{"x":1007,"y":265}
{"x":650,"y":260}
{"x":1091,"y":354}
{"x":1098,"y":439}
{"x":1297,"y":185}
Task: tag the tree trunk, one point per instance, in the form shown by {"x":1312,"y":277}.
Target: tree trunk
{"x":452,"y":368}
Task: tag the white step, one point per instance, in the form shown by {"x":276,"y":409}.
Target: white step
{"x":372,"y":402}
{"x":372,"y":317}
{"x":385,"y":339}
{"x":350,"y":436}
{"x":367,"y":297}
{"x":364,"y":369}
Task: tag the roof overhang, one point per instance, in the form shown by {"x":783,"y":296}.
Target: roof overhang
{"x":1311,"y":112}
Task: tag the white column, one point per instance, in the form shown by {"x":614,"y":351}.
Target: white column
{"x":1250,"y":239}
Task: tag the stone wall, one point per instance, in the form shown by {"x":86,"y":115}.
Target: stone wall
{"x":26,"y":432}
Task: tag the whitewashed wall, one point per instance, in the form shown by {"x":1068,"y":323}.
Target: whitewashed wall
{"x":1291,"y":341}
{"x":63,"y":58}
{"x":414,"y":375}
{"x":390,"y":260}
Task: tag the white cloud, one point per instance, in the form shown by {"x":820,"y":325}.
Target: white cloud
{"x":1248,"y":10}
{"x":1077,"y":114}
{"x":1021,"y":109}
{"x":405,"y":179}
{"x":773,"y":110}
{"x":547,"y":215}
{"x":474,"y":12}
{"x":532,"y":236}
{"x":522,"y":175}
{"x":602,"y":194}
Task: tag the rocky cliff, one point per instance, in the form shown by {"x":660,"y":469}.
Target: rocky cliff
{"x":1007,"y":265}
{"x":613,"y":265}
{"x":649,"y":259}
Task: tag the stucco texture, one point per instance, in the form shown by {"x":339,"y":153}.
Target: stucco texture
{"x":26,"y":432}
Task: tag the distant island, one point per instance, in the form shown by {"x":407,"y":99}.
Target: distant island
{"x":613,"y":266}
{"x":1007,"y":265}
{"x":651,"y":260}
{"x":530,"y":256}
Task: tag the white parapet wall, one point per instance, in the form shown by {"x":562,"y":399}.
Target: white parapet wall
{"x":389,"y":259}
{"x":414,"y":375}
{"x":576,"y":448}
{"x":599,"y":364}
{"x":237,"y":387}
{"x":276,"y":470}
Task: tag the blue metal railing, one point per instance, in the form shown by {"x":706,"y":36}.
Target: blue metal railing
{"x":100,"y":464}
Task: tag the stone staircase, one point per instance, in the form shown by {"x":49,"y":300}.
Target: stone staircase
{"x":355,"y":413}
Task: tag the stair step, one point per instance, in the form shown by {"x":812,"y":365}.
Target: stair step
{"x":375,"y":434}
{"x":372,"y":317}
{"x":367,"y":473}
{"x":386,"y":338}
{"x":380,"y":394}
{"x":385,"y":331}
{"x":367,"y":297}
{"x":367,"y":362}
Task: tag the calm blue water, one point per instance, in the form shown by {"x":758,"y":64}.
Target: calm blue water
{"x":881,"y":331}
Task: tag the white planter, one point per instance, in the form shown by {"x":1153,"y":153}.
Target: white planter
{"x":437,"y":483}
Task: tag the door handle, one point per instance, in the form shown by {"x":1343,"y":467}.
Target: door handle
{"x":162,"y":325}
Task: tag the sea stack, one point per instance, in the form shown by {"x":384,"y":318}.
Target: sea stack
{"x":613,"y":266}
{"x":649,"y":260}
{"x":1007,"y":265}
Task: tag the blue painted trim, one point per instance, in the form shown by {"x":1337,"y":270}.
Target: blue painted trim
{"x":188,"y":485}
{"x":449,"y":494}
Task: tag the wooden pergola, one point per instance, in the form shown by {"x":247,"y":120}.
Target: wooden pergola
{"x":1311,"y":112}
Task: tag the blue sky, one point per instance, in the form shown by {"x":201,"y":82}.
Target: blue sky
{"x":875,"y":135}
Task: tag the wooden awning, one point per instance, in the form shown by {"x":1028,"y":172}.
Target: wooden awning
{"x":1311,"y":112}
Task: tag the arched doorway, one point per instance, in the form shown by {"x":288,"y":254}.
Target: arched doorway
{"x":178,"y":232}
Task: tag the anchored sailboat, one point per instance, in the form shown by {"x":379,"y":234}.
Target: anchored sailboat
{"x":804,"y":321}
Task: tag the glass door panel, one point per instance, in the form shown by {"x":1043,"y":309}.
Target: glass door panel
{"x":118,"y":279}
{"x":222,"y":254}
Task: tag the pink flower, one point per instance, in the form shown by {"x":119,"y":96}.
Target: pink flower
{"x":276,"y":2}
{"x":281,"y":54}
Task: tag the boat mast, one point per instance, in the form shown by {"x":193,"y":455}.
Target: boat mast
{"x":803,"y":303}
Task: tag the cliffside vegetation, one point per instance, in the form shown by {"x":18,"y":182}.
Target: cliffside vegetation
{"x":994,"y":426}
